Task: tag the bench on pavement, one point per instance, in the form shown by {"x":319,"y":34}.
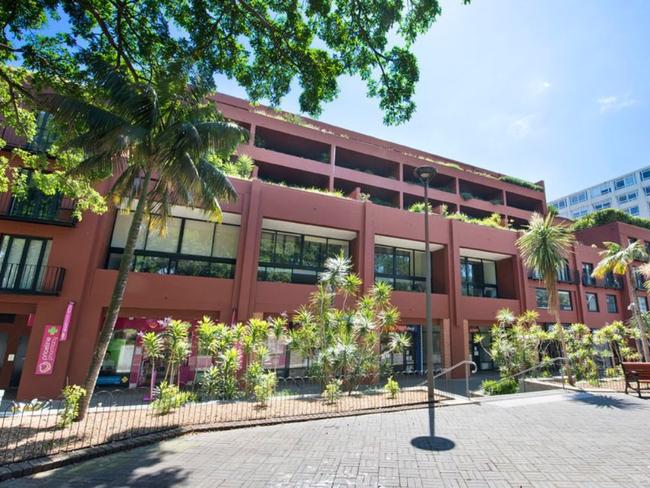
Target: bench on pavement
{"x":636,"y":373}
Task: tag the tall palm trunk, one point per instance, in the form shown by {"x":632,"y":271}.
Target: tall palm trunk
{"x":108,"y":327}
{"x":564,"y":351}
{"x":645,"y":351}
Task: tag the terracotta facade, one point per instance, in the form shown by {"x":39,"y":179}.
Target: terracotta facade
{"x":333,"y":159}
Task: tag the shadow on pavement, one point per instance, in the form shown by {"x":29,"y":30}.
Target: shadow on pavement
{"x":432,"y":442}
{"x":139,"y":467}
{"x":605,"y":401}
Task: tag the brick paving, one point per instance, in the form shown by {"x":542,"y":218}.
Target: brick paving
{"x":549,"y":440}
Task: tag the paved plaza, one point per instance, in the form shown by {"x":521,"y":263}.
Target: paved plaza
{"x":548,"y":440}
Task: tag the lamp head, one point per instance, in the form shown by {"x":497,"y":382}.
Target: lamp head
{"x":425,"y":173}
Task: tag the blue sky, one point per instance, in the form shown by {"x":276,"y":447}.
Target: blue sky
{"x":557,"y":90}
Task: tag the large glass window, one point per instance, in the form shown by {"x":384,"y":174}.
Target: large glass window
{"x":541,"y":298}
{"x":587,"y":270}
{"x":624,"y":182}
{"x":612,"y":306}
{"x":592,"y":302}
{"x":643,"y":304}
{"x":565,"y":300}
{"x":296,"y":258}
{"x":404,"y":269}
{"x":184,"y":247}
{"x":578,"y":198}
{"x":563,"y":272}
{"x":23,"y":263}
{"x":478,"y":277}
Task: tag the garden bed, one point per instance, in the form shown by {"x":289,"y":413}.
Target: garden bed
{"x":30,"y":435}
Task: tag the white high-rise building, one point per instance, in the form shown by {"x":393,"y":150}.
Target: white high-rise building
{"x":630,"y":193}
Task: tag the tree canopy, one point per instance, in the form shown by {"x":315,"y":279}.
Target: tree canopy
{"x":265,"y":45}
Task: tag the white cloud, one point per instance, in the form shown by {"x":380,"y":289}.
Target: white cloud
{"x":522,"y":127}
{"x":614,"y":103}
{"x":538,"y":87}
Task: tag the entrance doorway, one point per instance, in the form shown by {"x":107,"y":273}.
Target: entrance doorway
{"x":480,"y":350}
{"x":14,"y":338}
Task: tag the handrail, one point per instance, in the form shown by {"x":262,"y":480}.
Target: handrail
{"x":537,"y":366}
{"x":451,"y":368}
{"x":466,"y":363}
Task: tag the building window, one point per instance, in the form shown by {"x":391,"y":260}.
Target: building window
{"x":639,"y":279}
{"x":628,"y":197}
{"x":565,"y":300}
{"x":624,"y":182}
{"x":587,"y":270}
{"x":403,"y":269}
{"x":578,"y":198}
{"x":645,"y":174}
{"x":643,"y":304}
{"x":186,"y":247}
{"x":541,"y":297}
{"x":296,"y":258}
{"x":581,"y":212}
{"x":560,"y":204}
{"x":602,"y":205}
{"x":601,"y":190}
{"x":612,"y":306}
{"x":646,"y":190}
{"x":478,"y":277}
{"x":563,"y":273}
{"x":592,"y":302}
{"x":23,"y":263}
{"x":633,"y":211}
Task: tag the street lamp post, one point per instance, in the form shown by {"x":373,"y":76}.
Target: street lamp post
{"x":424,"y":174}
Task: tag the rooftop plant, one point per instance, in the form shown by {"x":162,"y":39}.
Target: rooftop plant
{"x":607,"y":216}
{"x":519,"y":182}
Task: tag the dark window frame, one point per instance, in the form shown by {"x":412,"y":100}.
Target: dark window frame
{"x":215,"y":266}
{"x":477,"y":285}
{"x":418,"y":283}
{"x":291,"y":273}
{"x":595,"y":297}
{"x":609,"y":300}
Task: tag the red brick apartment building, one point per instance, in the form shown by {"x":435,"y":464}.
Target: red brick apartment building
{"x":264,"y":258}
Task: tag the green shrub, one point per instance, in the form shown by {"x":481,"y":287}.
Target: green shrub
{"x":265,"y":387}
{"x":607,"y":216}
{"x":503,"y":386}
{"x":520,"y":182}
{"x":333,"y":391}
{"x":392,"y":388}
{"x":418,"y":207}
{"x":72,"y":395}
{"x":254,"y":372}
{"x":169,"y":397}
{"x":614,"y":372}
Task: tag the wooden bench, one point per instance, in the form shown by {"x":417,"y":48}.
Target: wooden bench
{"x":636,"y":373}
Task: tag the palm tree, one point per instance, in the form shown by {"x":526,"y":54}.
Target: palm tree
{"x":154,"y":139}
{"x":618,"y":260}
{"x":544,"y":247}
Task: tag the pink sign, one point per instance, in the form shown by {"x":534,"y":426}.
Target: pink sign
{"x":47,"y":352}
{"x":66,"y":320}
{"x":30,"y":320}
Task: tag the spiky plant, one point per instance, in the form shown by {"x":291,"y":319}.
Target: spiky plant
{"x":136,"y":132}
{"x":618,"y":260}
{"x":544,"y":247}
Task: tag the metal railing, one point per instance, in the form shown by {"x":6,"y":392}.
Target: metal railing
{"x":536,"y":367}
{"x":467,"y":363}
{"x":31,"y":279}
{"x":29,"y":431}
{"x":42,"y":209}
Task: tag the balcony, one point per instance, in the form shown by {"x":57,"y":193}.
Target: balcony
{"x":31,"y":279}
{"x":38,"y":208}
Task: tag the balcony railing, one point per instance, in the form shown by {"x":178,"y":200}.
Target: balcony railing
{"x":567,"y":276}
{"x":31,"y":279}
{"x":42,"y":209}
{"x":608,"y":282}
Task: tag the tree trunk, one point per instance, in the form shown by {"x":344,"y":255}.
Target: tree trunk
{"x":563,"y":348}
{"x":645,"y":351}
{"x":113,"y":310}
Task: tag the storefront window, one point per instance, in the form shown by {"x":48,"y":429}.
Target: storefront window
{"x":116,"y":367}
{"x":478,"y":277}
{"x":403,"y":269}
{"x":296,"y":258}
{"x":186,"y":247}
